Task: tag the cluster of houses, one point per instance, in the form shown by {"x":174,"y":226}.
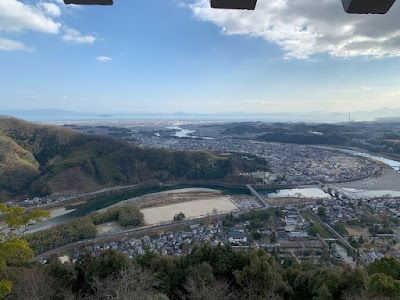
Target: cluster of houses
{"x":338,"y":210}
{"x":290,"y":164}
{"x":36,"y":201}
{"x":286,"y":234}
{"x":292,"y":238}
{"x":345,"y":210}
{"x":291,"y":226}
{"x":385,"y":204}
{"x":167,"y":243}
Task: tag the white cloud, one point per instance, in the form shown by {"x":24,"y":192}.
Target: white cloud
{"x":74,"y":36}
{"x":368,"y":88}
{"x":308,"y":27}
{"x":50,"y":9}
{"x":16,"y":16}
{"x":103,"y":58}
{"x":11,"y":45}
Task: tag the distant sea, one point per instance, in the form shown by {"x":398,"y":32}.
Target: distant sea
{"x":49,"y":115}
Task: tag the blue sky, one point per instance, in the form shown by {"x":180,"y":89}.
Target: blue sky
{"x":168,"y":56}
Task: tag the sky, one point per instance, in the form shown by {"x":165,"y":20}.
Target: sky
{"x":164,"y":56}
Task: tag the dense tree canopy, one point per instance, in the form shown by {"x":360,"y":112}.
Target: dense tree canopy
{"x":126,"y":216}
{"x":205,"y":274}
{"x":60,"y":235}
{"x":15,"y":252}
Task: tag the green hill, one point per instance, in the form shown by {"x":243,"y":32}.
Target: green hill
{"x":46,"y":160}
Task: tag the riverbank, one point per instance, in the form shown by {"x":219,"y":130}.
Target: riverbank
{"x":387,"y":156}
{"x":83,"y":206}
{"x":166,"y":198}
{"x":388,"y":181}
{"x":383,"y":158}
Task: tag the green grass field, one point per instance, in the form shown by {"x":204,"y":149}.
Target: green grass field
{"x":311,"y":219}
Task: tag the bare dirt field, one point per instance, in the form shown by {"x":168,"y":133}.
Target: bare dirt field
{"x":195,"y":208}
{"x":288,"y":201}
{"x":357,"y":231}
{"x":168,"y":197}
{"x":109,"y":228}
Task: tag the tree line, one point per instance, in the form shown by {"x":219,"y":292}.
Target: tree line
{"x":126,"y":216}
{"x":60,"y":235}
{"x":81,"y":228}
{"x":205,"y":274}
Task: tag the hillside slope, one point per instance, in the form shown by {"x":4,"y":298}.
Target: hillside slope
{"x":43,"y":160}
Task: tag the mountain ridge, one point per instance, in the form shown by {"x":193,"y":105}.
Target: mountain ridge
{"x":40,"y":160}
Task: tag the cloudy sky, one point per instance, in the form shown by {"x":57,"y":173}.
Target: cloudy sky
{"x":180,"y":55}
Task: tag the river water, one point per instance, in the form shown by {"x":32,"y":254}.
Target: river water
{"x":103,"y":202}
{"x":392,"y":163}
{"x":186,"y":133}
{"x":182,"y":133}
{"x":297,"y":193}
{"x":106,"y":201}
{"x":386,"y":185}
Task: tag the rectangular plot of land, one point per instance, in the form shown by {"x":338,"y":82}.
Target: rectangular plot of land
{"x":195,"y":208}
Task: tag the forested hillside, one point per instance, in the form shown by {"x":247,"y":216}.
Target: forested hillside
{"x":37,"y":160}
{"x":206,"y":273}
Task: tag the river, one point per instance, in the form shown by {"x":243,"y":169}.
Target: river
{"x":105,"y":201}
{"x":186,"y":133}
{"x":386,"y":185}
{"x":182,"y":133}
{"x":392,"y":163}
{"x":296,"y":193}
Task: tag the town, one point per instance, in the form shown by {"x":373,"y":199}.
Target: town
{"x":334,"y":229}
{"x":289,"y":163}
{"x":325,"y":231}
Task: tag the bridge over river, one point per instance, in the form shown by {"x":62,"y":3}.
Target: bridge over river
{"x":259,"y":197}
{"x":334,"y":192}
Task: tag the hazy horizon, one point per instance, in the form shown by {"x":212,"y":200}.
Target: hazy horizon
{"x":46,"y":115}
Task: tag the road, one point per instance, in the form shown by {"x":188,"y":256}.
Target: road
{"x":83,"y":194}
{"x":339,"y":237}
{"x":259,"y":197}
{"x":140,"y":230}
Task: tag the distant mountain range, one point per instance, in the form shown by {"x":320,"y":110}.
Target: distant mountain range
{"x":39,"y":115}
{"x":46,"y":115}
